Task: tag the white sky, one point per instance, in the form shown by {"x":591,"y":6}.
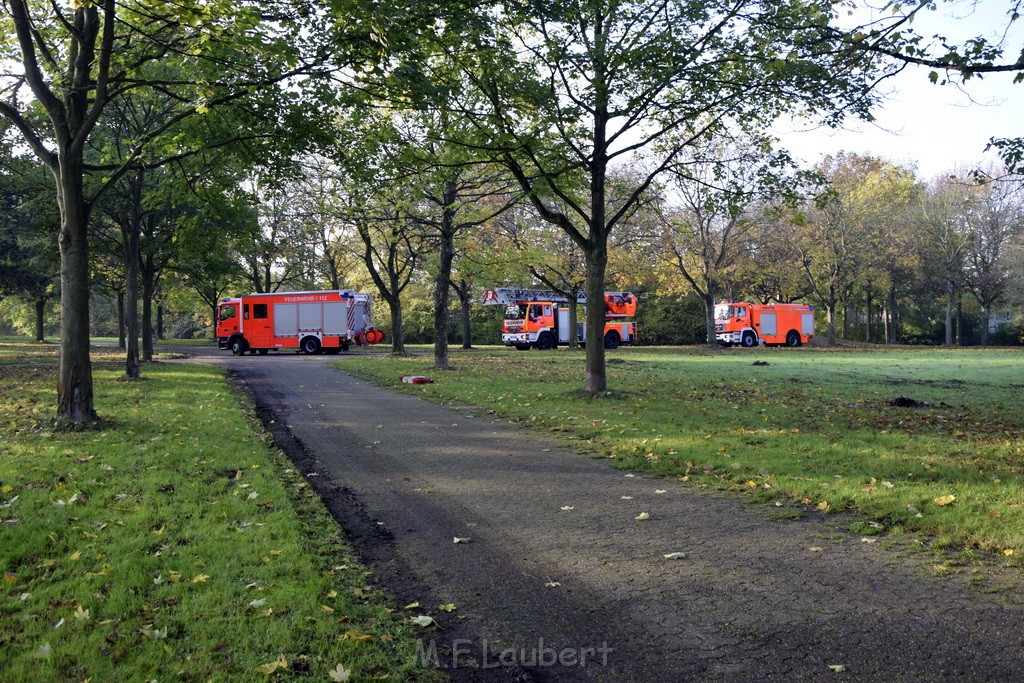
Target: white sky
{"x":932,"y":127}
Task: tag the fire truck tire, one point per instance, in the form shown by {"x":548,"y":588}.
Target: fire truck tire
{"x":749,"y":339}
{"x":264,"y":352}
{"x":545,"y":341}
{"x":612,"y":340}
{"x":333,"y":351}
{"x":310,"y":345}
{"x":238,"y":346}
{"x":793,"y":338}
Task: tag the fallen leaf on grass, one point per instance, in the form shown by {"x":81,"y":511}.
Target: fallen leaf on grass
{"x":10,"y":578}
{"x":823,"y":505}
{"x":82,"y":614}
{"x":944,"y":500}
{"x":270,"y":667}
{"x":256,"y":604}
{"x":339,"y":674}
{"x":888,"y":484}
{"x":1008,"y":552}
{"x":199,"y":578}
{"x":75,"y":555}
{"x":327,"y":608}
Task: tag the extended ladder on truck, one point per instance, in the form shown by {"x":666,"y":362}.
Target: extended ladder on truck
{"x":533,"y":317}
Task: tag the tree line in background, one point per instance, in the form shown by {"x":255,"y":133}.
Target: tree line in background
{"x":427,"y":150}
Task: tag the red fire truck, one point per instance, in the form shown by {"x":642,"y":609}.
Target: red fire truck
{"x":737,"y":322}
{"x":310,"y":322}
{"x":533,"y":317}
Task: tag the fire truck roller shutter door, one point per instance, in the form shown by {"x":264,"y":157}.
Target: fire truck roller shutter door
{"x":286,"y":320}
{"x":335,"y":318}
{"x":769,"y":324}
{"x":807,"y":321}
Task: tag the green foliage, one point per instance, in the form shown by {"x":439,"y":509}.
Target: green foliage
{"x":884,"y":435}
{"x":171,"y":541}
{"x":671,"y":320}
{"x":1009,"y":334}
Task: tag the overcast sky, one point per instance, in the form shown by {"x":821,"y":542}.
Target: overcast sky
{"x":933,"y":127}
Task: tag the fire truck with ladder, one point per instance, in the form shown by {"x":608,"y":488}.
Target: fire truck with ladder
{"x":768,"y":324}
{"x":540,"y":317}
{"x":310,"y":322}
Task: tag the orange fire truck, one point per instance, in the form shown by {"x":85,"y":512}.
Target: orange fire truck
{"x":534,"y":317}
{"x":752,"y":324}
{"x":310,"y":322}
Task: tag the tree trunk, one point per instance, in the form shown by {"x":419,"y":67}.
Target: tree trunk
{"x":709,"y":317}
{"x":574,"y":312}
{"x":397,"y":336}
{"x":950,"y":302}
{"x":465,"y":303}
{"x":596,"y":373}
{"x":960,"y":319}
{"x":892,"y":337}
{"x":830,"y":311}
{"x":41,"y":319}
{"x":148,"y":291}
{"x":984,"y":324}
{"x":121,"y":342}
{"x":867,"y":332}
{"x":74,"y":381}
{"x":446,"y":254}
{"x":131,"y":233}
{"x":159,"y":321}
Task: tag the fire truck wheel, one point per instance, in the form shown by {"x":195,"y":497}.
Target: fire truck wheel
{"x":749,"y":339}
{"x":264,"y":352}
{"x":793,"y":338}
{"x":545,"y":341}
{"x":311,"y":345}
{"x":239,"y":347}
{"x":612,"y":340}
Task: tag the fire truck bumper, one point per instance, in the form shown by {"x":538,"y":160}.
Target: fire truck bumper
{"x":728,"y":337}
{"x":513,"y":339}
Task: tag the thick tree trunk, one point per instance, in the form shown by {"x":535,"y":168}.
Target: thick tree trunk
{"x":596,"y":381}
{"x":446,"y":254}
{"x":41,"y":319}
{"x":74,"y":380}
{"x":397,"y":336}
{"x":574,"y":311}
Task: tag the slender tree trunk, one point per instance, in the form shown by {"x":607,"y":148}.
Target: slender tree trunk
{"x":74,"y":381}
{"x":131,"y":233}
{"x":893,"y":337}
{"x":462,"y":291}
{"x":709,"y":317}
{"x":867,"y":332}
{"x":830,"y":311}
{"x":985,"y":316}
{"x":950,"y":303}
{"x":574,"y":318}
{"x":121,"y":342}
{"x":159,"y":321}
{"x":41,"y":319}
{"x":959,"y":319}
{"x":148,"y":289}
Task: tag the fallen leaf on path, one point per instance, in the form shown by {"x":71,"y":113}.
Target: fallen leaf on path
{"x":660,"y":491}
{"x":674,"y":556}
{"x":460,"y":540}
{"x":568,"y":507}
{"x":838,"y":668}
{"x":447,"y":607}
{"x":553,"y":584}
{"x":815,"y":549}
{"x":642,"y":516}
{"x":413,"y":605}
{"x":423,"y":620}
{"x":868,"y":540}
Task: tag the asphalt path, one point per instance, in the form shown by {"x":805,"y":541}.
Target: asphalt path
{"x":555,"y":578}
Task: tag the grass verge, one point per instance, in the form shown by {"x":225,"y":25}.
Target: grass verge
{"x":920,"y":440}
{"x":171,"y":541}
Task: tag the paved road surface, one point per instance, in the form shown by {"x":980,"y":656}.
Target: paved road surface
{"x":559,"y":581}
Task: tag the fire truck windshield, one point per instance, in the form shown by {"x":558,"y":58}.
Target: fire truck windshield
{"x":227,"y":312}
{"x":515,"y":312}
{"x":724,"y":312}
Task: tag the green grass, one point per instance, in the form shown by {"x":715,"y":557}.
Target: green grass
{"x":814,"y":426}
{"x":172,"y":541}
